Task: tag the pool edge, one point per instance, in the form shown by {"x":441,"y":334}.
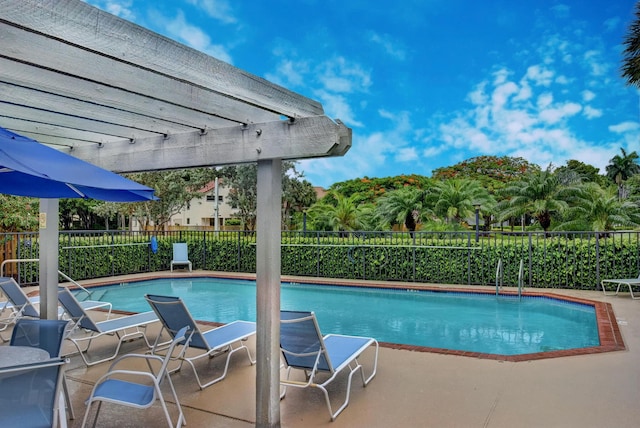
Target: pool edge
{"x":608,"y":330}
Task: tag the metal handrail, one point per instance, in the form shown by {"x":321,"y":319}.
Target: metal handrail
{"x":520,"y":278}
{"x":65,"y":276}
{"x":499,"y":276}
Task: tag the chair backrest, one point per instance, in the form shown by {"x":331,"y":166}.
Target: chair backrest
{"x":75,"y":311}
{"x":301,"y":341}
{"x":179,"y":337}
{"x":174,"y":315}
{"x":29,"y":393}
{"x":180,"y":252}
{"x":43,"y":334}
{"x":18,"y":299}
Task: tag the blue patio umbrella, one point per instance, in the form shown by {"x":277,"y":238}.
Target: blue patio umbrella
{"x":28,"y":168}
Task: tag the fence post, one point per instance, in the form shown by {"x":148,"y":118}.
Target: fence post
{"x":598,"y":282}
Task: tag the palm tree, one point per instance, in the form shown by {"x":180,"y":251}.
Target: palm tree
{"x":631,"y":53}
{"x":541,"y":195}
{"x":402,"y":206}
{"x":620,"y":168}
{"x":456,"y":199}
{"x":598,"y":209}
{"x":344,"y":216}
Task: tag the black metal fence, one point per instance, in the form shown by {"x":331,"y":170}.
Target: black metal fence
{"x":577,"y":260}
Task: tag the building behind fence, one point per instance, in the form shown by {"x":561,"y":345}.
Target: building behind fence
{"x":578,"y":260}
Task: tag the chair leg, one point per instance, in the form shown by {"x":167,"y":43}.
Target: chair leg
{"x":67,"y":396}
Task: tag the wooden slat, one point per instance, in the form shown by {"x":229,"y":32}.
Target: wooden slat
{"x":17,"y":73}
{"x":35,"y":116}
{"x":87,"y":110}
{"x":35,"y":49}
{"x":78,"y":23}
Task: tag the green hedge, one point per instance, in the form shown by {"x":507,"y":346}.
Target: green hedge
{"x":552,"y":262}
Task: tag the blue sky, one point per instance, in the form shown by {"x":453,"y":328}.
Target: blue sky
{"x":426,"y":84}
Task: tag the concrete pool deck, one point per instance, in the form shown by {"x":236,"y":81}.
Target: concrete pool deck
{"x":420,"y":389}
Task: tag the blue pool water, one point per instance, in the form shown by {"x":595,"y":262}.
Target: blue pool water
{"x":452,"y":320}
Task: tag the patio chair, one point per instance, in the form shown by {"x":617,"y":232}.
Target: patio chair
{"x":30,"y":394}
{"x":303,"y":347}
{"x":629,"y":282}
{"x":173,"y":313}
{"x":23,"y":306}
{"x":117,"y":386}
{"x":120,"y":327}
{"x":47,"y":335}
{"x":17,"y":303}
{"x":180,"y":255}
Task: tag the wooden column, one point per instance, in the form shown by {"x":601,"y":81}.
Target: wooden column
{"x":48,"y":258}
{"x":268,"y":293}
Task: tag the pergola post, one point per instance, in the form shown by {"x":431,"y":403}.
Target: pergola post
{"x":269,"y":195}
{"x":48,"y":255}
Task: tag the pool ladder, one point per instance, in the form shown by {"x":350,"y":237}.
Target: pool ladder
{"x":500,"y":277}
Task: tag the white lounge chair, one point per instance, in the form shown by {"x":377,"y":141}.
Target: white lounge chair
{"x":125,"y":328}
{"x":303,"y":347}
{"x":20,"y":305}
{"x":629,"y":282}
{"x":180,"y":255}
{"x":174,"y":315}
{"x":137,"y":389}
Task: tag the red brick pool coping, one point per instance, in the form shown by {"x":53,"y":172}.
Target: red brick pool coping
{"x":608,"y":330}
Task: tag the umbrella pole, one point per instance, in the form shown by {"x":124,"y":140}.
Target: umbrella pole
{"x":48,"y":248}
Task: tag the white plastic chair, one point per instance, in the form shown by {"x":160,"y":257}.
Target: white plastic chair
{"x":180,"y":255}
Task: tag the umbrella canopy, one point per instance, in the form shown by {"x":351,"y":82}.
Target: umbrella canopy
{"x":28,"y":168}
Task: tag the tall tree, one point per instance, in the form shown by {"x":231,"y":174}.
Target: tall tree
{"x":402,"y":206}
{"x":345,"y":215}
{"x":620,"y":168}
{"x":175,"y":189}
{"x":456,"y":199}
{"x":18,"y":213}
{"x":541,"y":195}
{"x":631,"y":53}
{"x":297,"y":193}
{"x":598,"y":209}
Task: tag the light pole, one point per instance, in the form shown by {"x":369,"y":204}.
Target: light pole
{"x":477,"y":207}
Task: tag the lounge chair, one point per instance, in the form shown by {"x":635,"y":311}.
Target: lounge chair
{"x":43,"y":334}
{"x":180,"y":255}
{"x":121,"y":327}
{"x":118,"y":386}
{"x":22,"y":305}
{"x":173,"y":314}
{"x":30,"y":394}
{"x":303,"y":347}
{"x":629,"y":282}
{"x":17,"y":303}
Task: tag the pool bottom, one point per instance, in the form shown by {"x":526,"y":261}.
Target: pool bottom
{"x":608,"y":330}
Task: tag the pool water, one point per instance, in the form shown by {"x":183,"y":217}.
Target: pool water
{"x":462,"y":321}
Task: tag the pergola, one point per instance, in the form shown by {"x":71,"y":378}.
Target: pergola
{"x":126,"y":99}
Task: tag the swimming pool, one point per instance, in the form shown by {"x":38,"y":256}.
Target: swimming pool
{"x":463,"y":321}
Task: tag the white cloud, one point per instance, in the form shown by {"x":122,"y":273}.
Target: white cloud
{"x":340,"y":75}
{"x":588,"y":95}
{"x":624,"y":127}
{"x":191,"y":35}
{"x":406,"y":154}
{"x":612,"y":24}
{"x":393,"y":48}
{"x":592,"y":113}
{"x":217,"y":9}
{"x":120,"y":8}
{"x":559,"y":113}
{"x":337,"y":106}
{"x":539,"y":75}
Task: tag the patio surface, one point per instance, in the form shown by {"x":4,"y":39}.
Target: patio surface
{"x":416,"y":389}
